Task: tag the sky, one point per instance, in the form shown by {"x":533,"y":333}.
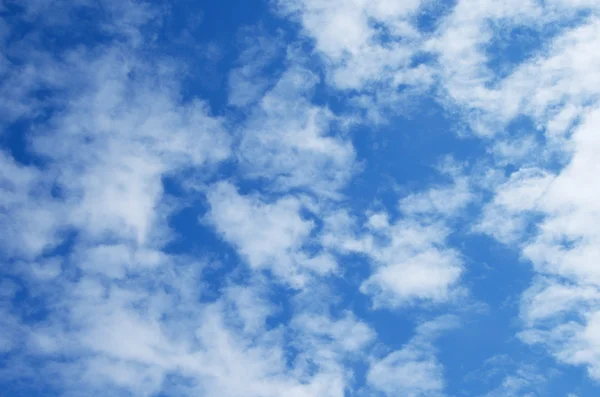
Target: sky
{"x":299,"y":198}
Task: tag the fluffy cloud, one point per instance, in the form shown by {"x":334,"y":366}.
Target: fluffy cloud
{"x":413,"y":370}
{"x":131,"y":338}
{"x":565,"y":249}
{"x":544,"y":209}
{"x":268,"y":235}
{"x":91,"y":296}
{"x":99,"y":304}
{"x":293,"y":143}
{"x":363,"y":42}
{"x":410,"y":258}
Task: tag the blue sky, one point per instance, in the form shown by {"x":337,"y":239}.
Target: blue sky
{"x":299,"y":198}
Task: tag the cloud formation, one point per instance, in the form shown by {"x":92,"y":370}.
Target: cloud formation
{"x":290,"y":277}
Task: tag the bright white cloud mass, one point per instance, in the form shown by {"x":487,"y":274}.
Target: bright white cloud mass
{"x":300,"y":198}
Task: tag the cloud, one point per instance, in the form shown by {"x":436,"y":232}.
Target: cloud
{"x":268,"y":235}
{"x":524,"y":382}
{"x":565,"y":249}
{"x":32,"y":69}
{"x":512,"y":378}
{"x":410,"y":259}
{"x":248,"y":82}
{"x":508,"y":215}
{"x":105,"y":153}
{"x":545,"y":209}
{"x":294,"y":144}
{"x":445,"y":201}
{"x":547,"y":213}
{"x":91,"y":297}
{"x":31,"y":217}
{"x":348,"y":334}
{"x":136,"y":334}
{"x":363,"y":43}
{"x":425,"y":276}
{"x":413,"y":370}
{"x":104,"y":307}
{"x":558,"y":308}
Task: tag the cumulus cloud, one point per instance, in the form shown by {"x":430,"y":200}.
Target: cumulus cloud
{"x":507,"y":216}
{"x":131,"y":338}
{"x":564,"y":249}
{"x":100,"y":305}
{"x":106,"y":151}
{"x":363,"y":42}
{"x":410,"y":257}
{"x":92,"y":298}
{"x":544,"y":209}
{"x":414,"y":369}
{"x":268,"y":235}
{"x":293,"y":143}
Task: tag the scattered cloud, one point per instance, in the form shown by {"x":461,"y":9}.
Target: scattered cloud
{"x":414,"y":369}
{"x":110,"y":152}
{"x":269,"y":235}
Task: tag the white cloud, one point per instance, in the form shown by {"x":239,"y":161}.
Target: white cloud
{"x":423,"y":276}
{"x":268,"y":235}
{"x":547,"y":86}
{"x":248,"y":82}
{"x":132,"y":336}
{"x":364,"y":43}
{"x":293,"y":143}
{"x":559,"y":313}
{"x":525,"y":382}
{"x":414,"y":370}
{"x":120,"y":314}
{"x":106,"y":152}
{"x":507,"y":216}
{"x":411,"y":260}
{"x":548,"y":213}
{"x":409,"y":374}
{"x":460,"y":43}
{"x":548,"y":298}
{"x":116,"y":260}
{"x":29,"y":69}
{"x":346,"y":334}
{"x":445,"y":201}
{"x":31,"y":218}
